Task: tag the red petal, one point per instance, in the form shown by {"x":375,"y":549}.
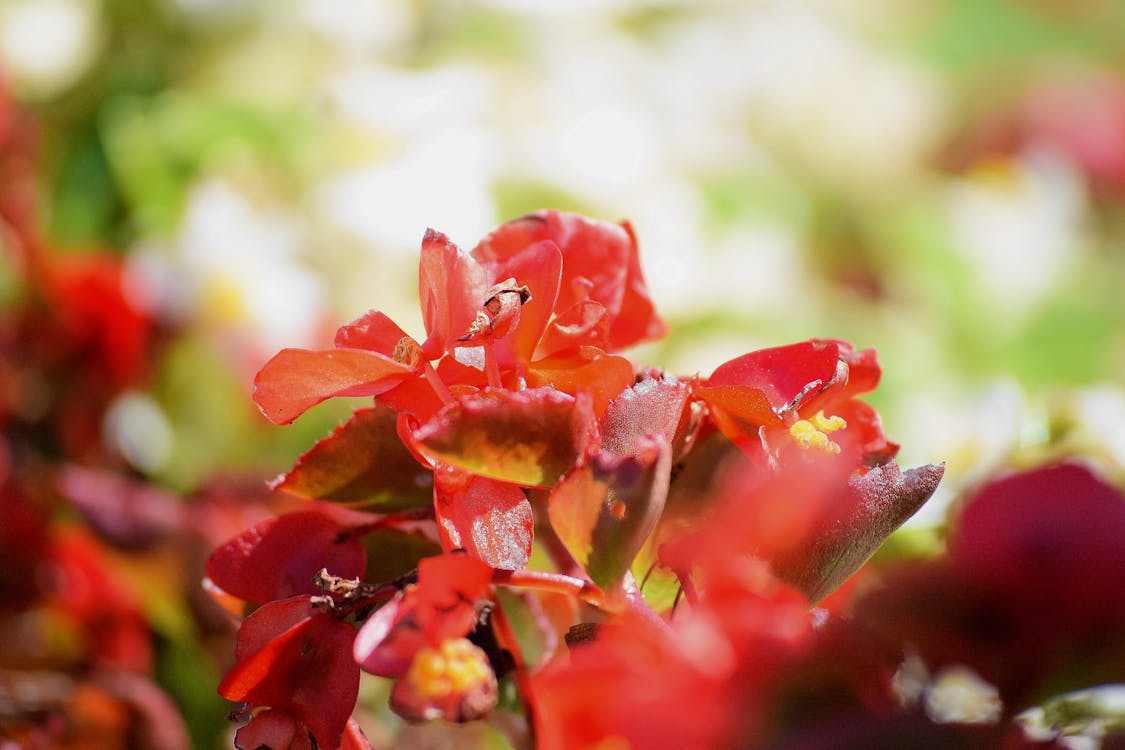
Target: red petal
{"x":278,"y":557}
{"x":451,"y":287}
{"x":297,"y":379}
{"x":267,"y":622}
{"x":373,"y":330}
{"x":600,"y":262}
{"x":638,"y":320}
{"x":782,"y":373}
{"x":1041,"y":532}
{"x":539,"y":268}
{"x":306,"y":671}
{"x":446,"y":579}
{"x":603,"y":376}
{"x":442,"y":605}
{"x":585,"y":323}
{"x":416,"y":396}
{"x":363,"y":461}
{"x":527,"y":437}
{"x":354,"y":738}
{"x":273,"y":730}
{"x":490,"y":520}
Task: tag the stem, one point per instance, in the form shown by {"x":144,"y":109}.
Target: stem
{"x":491,"y":366}
{"x":437,"y":384}
{"x":506,"y":638}
{"x":538,"y":580}
{"x":423,"y":513}
{"x":549,"y":540}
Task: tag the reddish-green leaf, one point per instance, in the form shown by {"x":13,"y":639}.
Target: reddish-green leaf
{"x":530,"y":438}
{"x":605,"y":509}
{"x":874,"y":505}
{"x":651,"y":407}
{"x":295,"y":380}
{"x":490,"y":520}
{"x":363,"y":461}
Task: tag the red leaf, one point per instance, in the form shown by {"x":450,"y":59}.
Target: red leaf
{"x":490,"y":520}
{"x":363,"y":461}
{"x":306,"y":671}
{"x":451,"y":288}
{"x":605,"y":510}
{"x":527,"y":437}
{"x":278,"y":557}
{"x":295,"y":380}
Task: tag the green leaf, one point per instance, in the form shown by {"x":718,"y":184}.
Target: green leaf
{"x":529,"y":438}
{"x":604,"y":510}
{"x":362,"y":462}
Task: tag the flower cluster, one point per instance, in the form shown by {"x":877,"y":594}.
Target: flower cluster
{"x":511,"y":446}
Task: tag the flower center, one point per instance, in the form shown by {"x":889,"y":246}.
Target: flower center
{"x":407,"y":352}
{"x":813,"y":433}
{"x":456,"y":667}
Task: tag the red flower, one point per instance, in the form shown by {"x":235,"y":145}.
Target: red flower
{"x":602,"y":297}
{"x":419,"y":638}
{"x":799,"y":398}
{"x":542,"y":301}
{"x":1029,"y":596}
{"x":372,"y":354}
{"x":695,"y":684}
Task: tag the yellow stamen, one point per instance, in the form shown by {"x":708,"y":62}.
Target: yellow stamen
{"x":828,"y":424}
{"x":455,"y":667}
{"x":813,"y":433}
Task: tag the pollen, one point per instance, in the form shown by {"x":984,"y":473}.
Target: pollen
{"x":407,"y":352}
{"x":813,"y":433}
{"x":454,"y":668}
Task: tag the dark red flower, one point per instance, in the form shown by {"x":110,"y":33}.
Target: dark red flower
{"x":1029,"y":596}
{"x":296,"y":660}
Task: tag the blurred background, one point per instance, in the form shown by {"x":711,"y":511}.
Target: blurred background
{"x":941,"y":180}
